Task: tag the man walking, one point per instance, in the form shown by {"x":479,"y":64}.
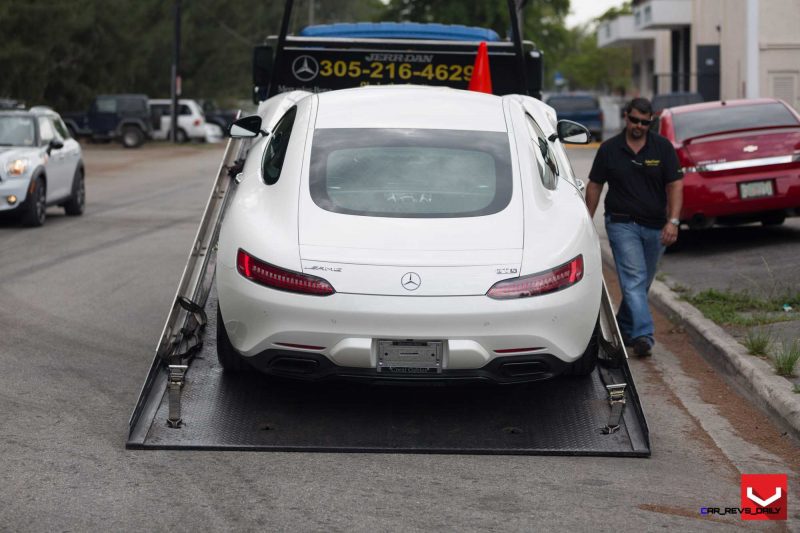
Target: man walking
{"x":642,"y":206}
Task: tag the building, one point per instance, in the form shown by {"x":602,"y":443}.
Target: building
{"x":723,"y":49}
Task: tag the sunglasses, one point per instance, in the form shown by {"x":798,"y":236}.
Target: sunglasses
{"x":642,"y":121}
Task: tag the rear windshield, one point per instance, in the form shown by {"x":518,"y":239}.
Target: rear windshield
{"x":410,"y":173}
{"x":569,"y":105}
{"x":722,"y":119}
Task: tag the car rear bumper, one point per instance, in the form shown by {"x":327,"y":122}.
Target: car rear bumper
{"x":475,"y":330}
{"x":317,"y":367}
{"x":720,"y":196}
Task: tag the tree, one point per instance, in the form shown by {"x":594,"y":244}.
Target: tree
{"x":587,"y":67}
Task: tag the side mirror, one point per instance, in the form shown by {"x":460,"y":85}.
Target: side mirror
{"x":54,"y":144}
{"x":570,"y":132}
{"x":246,"y":127}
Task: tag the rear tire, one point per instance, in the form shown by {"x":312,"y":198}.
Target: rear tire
{"x":588,"y":361}
{"x":229,"y":359}
{"x":132,"y":137}
{"x":35,"y":209}
{"x":76,"y":203}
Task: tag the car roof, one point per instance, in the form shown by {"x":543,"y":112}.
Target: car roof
{"x":169,"y":100}
{"x":566,"y":96}
{"x":704,"y":106}
{"x":410,"y":106}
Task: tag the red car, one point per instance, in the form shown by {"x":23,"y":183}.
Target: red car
{"x":740,"y":158}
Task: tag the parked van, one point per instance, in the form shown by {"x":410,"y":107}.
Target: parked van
{"x":191,"y":120}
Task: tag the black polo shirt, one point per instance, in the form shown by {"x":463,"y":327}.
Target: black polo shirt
{"x":637,"y":182}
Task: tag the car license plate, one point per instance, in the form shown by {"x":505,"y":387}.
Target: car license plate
{"x":409,"y":356}
{"x":756,"y":189}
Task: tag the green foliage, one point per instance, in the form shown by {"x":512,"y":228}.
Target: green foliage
{"x":62,"y":53}
{"x":614,"y":12}
{"x":572,"y":52}
{"x":741,"y":308}
{"x":786,"y":361}
{"x":758,"y":342}
{"x":585,"y":66}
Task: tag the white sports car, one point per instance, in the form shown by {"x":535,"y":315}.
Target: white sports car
{"x":408,"y":233}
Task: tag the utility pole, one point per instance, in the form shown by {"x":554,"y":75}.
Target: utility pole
{"x":752,"y":79}
{"x":176,"y":77}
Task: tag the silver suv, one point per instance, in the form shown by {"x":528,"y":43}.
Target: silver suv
{"x":40,"y":165}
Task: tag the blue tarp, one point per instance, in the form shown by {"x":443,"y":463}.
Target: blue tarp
{"x":401,"y":30}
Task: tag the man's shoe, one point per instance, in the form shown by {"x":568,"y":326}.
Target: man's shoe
{"x":642,"y":348}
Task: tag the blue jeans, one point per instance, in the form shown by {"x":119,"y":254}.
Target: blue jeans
{"x":637,"y":250}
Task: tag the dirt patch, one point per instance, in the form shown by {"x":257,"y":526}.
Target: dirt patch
{"x":750,"y":423}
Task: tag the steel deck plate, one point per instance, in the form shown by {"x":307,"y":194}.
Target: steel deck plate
{"x":255,"y":412}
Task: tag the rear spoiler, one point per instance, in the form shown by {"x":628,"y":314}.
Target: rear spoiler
{"x":690,"y":140}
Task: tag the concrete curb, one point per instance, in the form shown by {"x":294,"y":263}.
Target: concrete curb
{"x":750,"y":376}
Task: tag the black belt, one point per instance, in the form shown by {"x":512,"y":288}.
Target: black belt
{"x":642,"y":221}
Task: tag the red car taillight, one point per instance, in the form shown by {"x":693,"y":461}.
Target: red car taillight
{"x":278,"y":278}
{"x":197,"y":122}
{"x":687,"y":165}
{"x":546,"y":282}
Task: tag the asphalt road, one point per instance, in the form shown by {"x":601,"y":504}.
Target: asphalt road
{"x":82,"y":304}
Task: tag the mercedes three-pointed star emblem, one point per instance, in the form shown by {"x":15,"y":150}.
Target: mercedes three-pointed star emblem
{"x":305,"y":68}
{"x":410,"y":281}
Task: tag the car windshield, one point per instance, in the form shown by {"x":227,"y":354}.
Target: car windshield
{"x":414,"y":173}
{"x":721,"y":119}
{"x":16,"y":131}
{"x":569,"y":105}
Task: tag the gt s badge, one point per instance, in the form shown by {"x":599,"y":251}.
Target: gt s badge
{"x":507,"y":270}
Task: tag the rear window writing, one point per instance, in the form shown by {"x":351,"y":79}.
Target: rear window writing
{"x":410,"y":173}
{"x":722,"y":119}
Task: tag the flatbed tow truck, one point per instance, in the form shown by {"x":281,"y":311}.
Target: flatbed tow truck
{"x":187,"y":402}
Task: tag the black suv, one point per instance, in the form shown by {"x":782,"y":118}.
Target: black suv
{"x":114,"y":117}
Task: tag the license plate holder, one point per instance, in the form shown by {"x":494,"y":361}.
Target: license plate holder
{"x":409,"y":356}
{"x":756,"y":189}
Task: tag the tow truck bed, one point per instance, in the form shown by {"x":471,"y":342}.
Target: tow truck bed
{"x":256,"y":412}
{"x":217,"y":411}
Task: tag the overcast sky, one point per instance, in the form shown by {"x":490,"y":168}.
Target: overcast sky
{"x":582,"y":11}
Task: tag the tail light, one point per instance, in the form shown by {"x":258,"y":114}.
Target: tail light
{"x":197,"y":122}
{"x":546,"y":282}
{"x":687,"y":165}
{"x":278,"y":278}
